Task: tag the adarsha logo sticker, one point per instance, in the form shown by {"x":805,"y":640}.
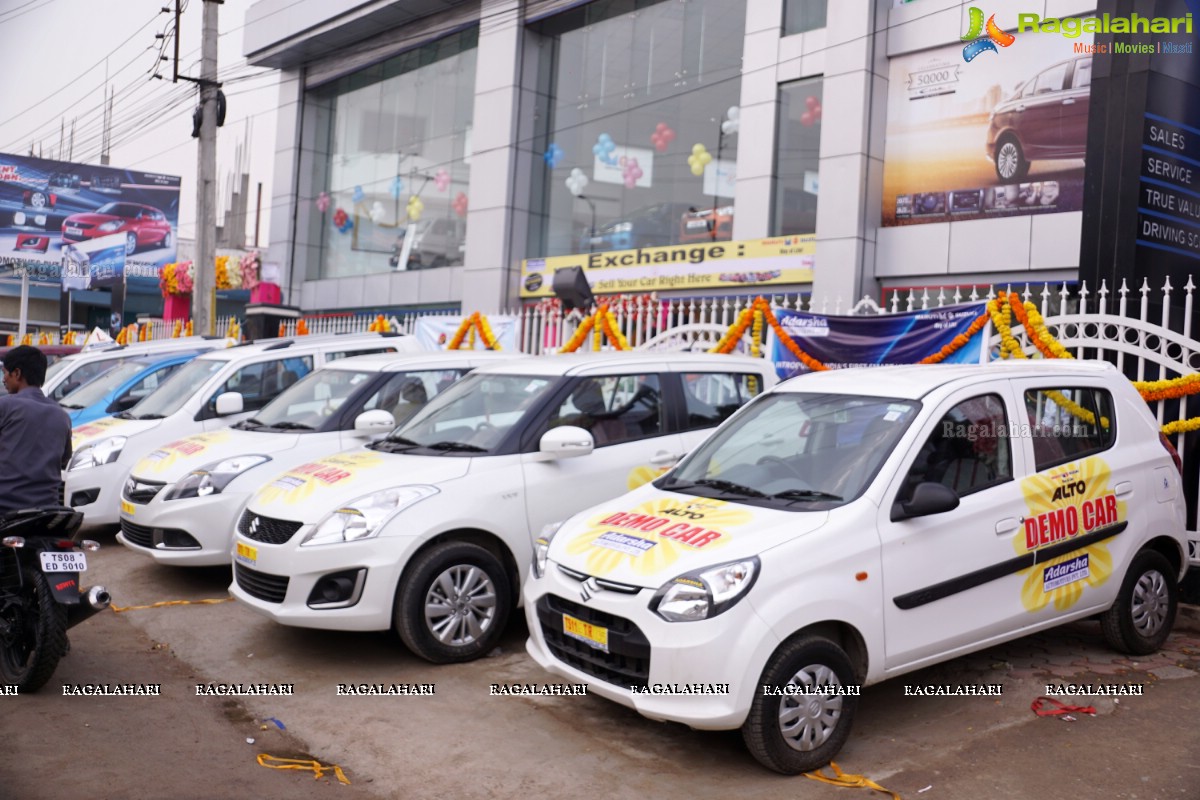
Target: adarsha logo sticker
{"x":1067,"y":572}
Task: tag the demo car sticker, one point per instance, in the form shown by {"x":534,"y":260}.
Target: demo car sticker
{"x":297,"y":484}
{"x":182,"y":449}
{"x":654,"y":535}
{"x":1065,"y":503}
{"x":94,"y":430}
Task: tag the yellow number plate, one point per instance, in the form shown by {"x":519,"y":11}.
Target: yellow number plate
{"x":247,"y":553}
{"x":127,"y":507}
{"x":591,"y":635}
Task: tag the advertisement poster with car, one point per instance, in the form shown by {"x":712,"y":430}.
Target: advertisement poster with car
{"x":96,"y":262}
{"x":1001,"y":135}
{"x":47,"y":206}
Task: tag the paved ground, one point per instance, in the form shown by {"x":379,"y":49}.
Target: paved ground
{"x":463,"y":743}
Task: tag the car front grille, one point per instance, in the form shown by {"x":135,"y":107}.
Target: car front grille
{"x":627,"y":662}
{"x":270,"y":588}
{"x":267,"y":530}
{"x":139,"y":535}
{"x":141,"y":492}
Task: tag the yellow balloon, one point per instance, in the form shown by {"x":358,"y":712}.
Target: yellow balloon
{"x":697,"y":169}
{"x":698,"y":148}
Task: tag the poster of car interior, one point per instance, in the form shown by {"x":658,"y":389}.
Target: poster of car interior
{"x":906,"y":338}
{"x":1001,"y":135}
{"x":46,"y":206}
{"x":95,"y":262}
{"x":754,"y":262}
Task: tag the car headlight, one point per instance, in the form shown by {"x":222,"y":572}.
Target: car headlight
{"x":362,"y":518}
{"x":95,"y":454}
{"x":541,"y":548}
{"x":19,"y":218}
{"x":213,"y":478}
{"x":110,"y":226}
{"x":705,"y":593}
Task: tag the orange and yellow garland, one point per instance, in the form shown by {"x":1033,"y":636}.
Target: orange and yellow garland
{"x":602,"y":323}
{"x":473,"y":323}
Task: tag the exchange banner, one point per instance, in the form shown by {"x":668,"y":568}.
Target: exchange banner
{"x":979,"y":133}
{"x":839,"y":342}
{"x":755,"y":262}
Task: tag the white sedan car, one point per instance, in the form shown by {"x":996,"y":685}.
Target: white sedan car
{"x":852,"y":526}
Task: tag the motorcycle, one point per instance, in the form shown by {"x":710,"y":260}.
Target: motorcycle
{"x":40,"y":595}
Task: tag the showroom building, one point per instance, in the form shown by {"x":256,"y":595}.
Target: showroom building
{"x":443,"y":154}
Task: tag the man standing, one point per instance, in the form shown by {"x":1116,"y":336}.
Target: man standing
{"x":35,"y":435}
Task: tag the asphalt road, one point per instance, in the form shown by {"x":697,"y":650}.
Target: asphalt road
{"x":462,"y":742}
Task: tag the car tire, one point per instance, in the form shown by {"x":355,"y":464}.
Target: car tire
{"x":38,"y":200}
{"x":453,"y":603}
{"x":798,"y":733}
{"x":130,"y":243}
{"x":1140,"y":619}
{"x":1010,"y":162}
{"x":166,"y":240}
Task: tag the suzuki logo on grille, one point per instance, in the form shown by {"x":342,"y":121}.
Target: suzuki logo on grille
{"x":253,"y":529}
{"x":589,"y":588}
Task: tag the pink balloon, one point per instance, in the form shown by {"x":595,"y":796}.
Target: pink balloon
{"x":817,"y":113}
{"x":810,"y":101}
{"x":806,"y":119}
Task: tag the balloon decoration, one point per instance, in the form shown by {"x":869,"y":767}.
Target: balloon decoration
{"x":733,"y":123}
{"x":342,"y":221}
{"x":358,"y":195}
{"x":812,"y":114}
{"x":577,"y":181}
{"x":377,"y":212}
{"x":415,"y":207}
{"x":397,"y":187}
{"x":604,"y":148}
{"x":323,"y":202}
{"x":630,"y":171}
{"x":662,"y":137}
{"x":553,"y":155}
{"x":460,"y":204}
{"x":441,"y":180}
{"x":699,"y":159}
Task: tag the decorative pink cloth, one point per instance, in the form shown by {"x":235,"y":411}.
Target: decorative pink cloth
{"x":177,"y":307}
{"x":266,"y":293}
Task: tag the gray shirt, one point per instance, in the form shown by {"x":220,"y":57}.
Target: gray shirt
{"x":35,"y":446}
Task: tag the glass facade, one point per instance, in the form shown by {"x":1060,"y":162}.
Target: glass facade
{"x":395,"y":147}
{"x":797,"y":157}
{"x":803,"y":15}
{"x":634,"y":145}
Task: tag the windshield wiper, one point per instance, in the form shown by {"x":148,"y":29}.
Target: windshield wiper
{"x":149,"y":416}
{"x":70,"y":405}
{"x":125,"y":415}
{"x":805,"y":494}
{"x":291,"y":426}
{"x":248,"y":424}
{"x":458,"y":446}
{"x":393,"y":445}
{"x":729,"y":487}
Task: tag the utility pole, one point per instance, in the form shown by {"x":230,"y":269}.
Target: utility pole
{"x":203,"y":296}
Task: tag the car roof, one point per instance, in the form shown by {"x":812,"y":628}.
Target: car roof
{"x":913,"y":381}
{"x":150,"y":359}
{"x":581,"y":364}
{"x":302,"y":344}
{"x":395,"y":362}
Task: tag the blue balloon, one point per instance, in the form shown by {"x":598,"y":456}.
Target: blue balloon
{"x":397,"y":187}
{"x":553,"y":155}
{"x":358,"y":194}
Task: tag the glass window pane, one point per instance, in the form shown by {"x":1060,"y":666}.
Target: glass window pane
{"x":616,"y":408}
{"x":797,"y":158}
{"x":968,"y":450}
{"x":1068,"y":424}
{"x":711,"y":397}
{"x":803,"y":15}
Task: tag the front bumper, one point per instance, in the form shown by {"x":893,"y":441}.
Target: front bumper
{"x":210,"y":521}
{"x":727,"y":651}
{"x":279,"y":580}
{"x":101,"y":488}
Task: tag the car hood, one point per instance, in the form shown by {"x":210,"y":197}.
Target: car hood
{"x":91,"y":218}
{"x":649,"y":536}
{"x":311,"y":490}
{"x":82,"y":435}
{"x":173,"y":460}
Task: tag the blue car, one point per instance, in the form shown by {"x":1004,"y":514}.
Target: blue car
{"x":122,"y":387}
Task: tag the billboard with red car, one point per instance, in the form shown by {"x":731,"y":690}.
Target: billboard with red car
{"x":48,"y":206}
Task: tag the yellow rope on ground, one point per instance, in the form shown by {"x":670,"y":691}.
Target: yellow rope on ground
{"x":315,"y":767}
{"x":214,"y":601}
{"x":849,"y":781}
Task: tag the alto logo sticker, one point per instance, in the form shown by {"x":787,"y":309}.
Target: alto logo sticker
{"x":1065,"y":503}
{"x":994,"y":35}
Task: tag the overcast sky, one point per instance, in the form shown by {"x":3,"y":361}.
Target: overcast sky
{"x":55,"y":55}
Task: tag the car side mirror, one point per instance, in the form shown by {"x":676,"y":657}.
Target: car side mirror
{"x":374,"y":421}
{"x":124,"y":403}
{"x":229,"y":403}
{"x":566,"y":441}
{"x":928,"y":498}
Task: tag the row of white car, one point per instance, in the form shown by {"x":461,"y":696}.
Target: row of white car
{"x":834,"y":531}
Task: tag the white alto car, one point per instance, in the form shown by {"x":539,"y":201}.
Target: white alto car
{"x":207,"y":394}
{"x":182,"y":501}
{"x":852,"y":526}
{"x":429,"y":529}
{"x":71,"y":372}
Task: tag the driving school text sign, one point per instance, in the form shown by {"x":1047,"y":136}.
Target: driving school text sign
{"x":755,"y":262}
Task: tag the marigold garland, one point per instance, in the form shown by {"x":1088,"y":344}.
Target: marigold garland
{"x":602,"y":324}
{"x":958,"y":342}
{"x":187,"y":331}
{"x":1181,"y":426}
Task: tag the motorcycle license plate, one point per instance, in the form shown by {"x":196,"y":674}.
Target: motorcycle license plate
{"x":63,"y":562}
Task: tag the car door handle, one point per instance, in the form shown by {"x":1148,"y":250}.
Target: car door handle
{"x":1007,"y":526}
{"x":664,"y":459}
{"x":1123,"y":488}
{"x":1020,"y":107}
{"x":1070,"y":101}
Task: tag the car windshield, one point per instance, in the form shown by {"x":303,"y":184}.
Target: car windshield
{"x":796,"y":451}
{"x":176,"y":390}
{"x":66,"y":362}
{"x":117,"y":210}
{"x":311,"y":401}
{"x":97,"y":389}
{"x":472,"y":416}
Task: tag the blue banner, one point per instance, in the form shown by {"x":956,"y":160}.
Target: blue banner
{"x":874,"y":341}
